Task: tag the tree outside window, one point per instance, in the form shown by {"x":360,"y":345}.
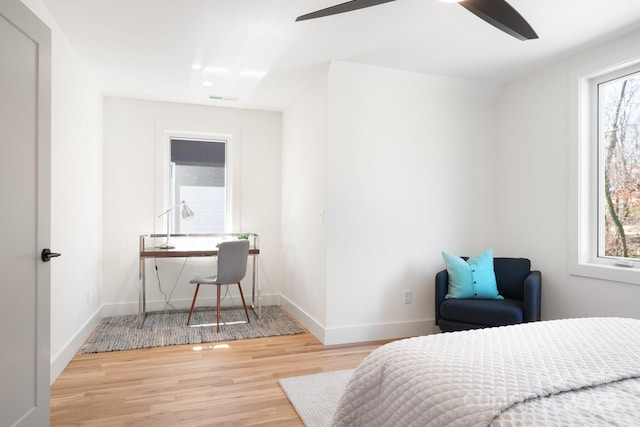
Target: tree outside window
{"x":619,"y":147}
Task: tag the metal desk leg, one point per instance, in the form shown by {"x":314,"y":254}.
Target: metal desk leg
{"x":255,"y":280}
{"x":142,"y":293}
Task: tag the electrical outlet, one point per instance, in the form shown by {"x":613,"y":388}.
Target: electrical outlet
{"x":406,"y":296}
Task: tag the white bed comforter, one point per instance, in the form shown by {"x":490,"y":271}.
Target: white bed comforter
{"x":501,"y":375}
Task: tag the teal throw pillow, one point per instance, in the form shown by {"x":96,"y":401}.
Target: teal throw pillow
{"x":473,"y":278}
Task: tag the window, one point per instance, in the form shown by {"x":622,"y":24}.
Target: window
{"x":605,"y":173}
{"x":198,"y":169}
{"x":619,"y":165}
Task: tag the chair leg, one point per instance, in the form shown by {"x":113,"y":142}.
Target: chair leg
{"x":243,"y":304}
{"x":218,"y":310}
{"x":195,"y":295}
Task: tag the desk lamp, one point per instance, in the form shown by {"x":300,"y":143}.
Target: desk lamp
{"x":187,"y":213}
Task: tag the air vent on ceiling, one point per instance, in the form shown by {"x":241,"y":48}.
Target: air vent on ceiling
{"x":223,"y":98}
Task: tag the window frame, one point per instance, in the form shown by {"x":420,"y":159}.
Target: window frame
{"x":193,"y":203}
{"x":163,"y":196}
{"x":584,"y":185}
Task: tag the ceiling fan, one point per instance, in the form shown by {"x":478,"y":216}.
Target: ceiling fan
{"x":496,"y":12}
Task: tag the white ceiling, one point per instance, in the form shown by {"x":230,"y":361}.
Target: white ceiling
{"x":253,"y":50}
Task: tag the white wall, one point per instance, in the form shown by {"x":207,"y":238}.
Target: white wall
{"x":533,"y":189}
{"x":409,"y":174}
{"x":403,"y":165}
{"x":132,"y":129}
{"x":76,"y":198}
{"x":304,"y":200}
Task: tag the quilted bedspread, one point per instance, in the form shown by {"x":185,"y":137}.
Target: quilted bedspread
{"x":531,"y":373}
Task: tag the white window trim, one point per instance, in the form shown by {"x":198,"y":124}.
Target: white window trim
{"x":164,"y":133}
{"x":583,"y":173}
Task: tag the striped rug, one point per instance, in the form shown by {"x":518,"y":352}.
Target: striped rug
{"x":170,"y":328}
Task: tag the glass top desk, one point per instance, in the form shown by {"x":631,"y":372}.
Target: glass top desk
{"x":193,"y":245}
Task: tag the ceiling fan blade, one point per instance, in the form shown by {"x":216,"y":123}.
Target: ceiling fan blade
{"x":341,"y":8}
{"x":502,"y":16}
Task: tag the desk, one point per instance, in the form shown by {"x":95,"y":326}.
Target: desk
{"x":192,"y":245}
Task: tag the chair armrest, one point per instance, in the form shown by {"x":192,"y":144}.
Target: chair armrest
{"x":532,"y":297}
{"x":442,"y":285}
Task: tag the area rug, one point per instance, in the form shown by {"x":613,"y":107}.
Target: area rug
{"x":315,"y":397}
{"x":170,"y":328}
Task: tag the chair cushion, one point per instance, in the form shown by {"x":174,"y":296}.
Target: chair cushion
{"x":211,"y":280}
{"x":451,"y":326}
{"x":482,"y":312}
{"x":473,"y":278}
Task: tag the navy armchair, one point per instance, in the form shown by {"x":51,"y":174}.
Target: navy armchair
{"x":520,"y":287}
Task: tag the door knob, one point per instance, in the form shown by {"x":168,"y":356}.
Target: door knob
{"x":47,"y":255}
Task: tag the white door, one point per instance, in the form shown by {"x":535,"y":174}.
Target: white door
{"x":25,"y":51}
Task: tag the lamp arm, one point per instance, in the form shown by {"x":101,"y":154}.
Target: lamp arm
{"x":187,"y":213}
{"x":170,"y":209}
{"x":167,"y":244}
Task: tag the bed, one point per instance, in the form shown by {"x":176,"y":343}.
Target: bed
{"x":560,"y":372}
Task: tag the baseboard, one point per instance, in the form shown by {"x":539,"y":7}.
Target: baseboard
{"x":62,"y":359}
{"x":311,"y":324}
{"x":360,"y":333}
{"x":379,"y":331}
{"x":123,"y":309}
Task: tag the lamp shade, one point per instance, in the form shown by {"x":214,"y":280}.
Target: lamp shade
{"x":187,"y":213}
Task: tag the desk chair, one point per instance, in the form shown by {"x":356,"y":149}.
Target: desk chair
{"x":232,"y":267}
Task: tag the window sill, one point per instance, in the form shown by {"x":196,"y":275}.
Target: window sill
{"x":613,"y":273}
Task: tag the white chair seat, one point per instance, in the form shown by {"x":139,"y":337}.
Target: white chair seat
{"x":212,"y":280}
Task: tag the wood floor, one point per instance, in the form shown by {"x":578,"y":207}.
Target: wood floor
{"x":234,"y":383}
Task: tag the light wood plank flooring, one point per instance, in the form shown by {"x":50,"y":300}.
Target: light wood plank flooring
{"x":235,"y":383}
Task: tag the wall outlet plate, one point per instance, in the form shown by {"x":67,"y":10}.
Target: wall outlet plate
{"x":406,"y":296}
